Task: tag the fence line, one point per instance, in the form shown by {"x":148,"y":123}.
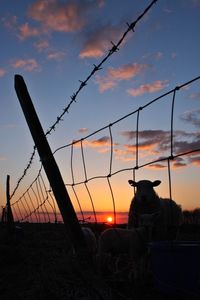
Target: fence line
{"x":39,"y":191}
{"x":115,"y":48}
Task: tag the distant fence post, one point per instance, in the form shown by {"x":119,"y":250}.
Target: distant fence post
{"x":50,"y":166}
{"x":9,"y":214}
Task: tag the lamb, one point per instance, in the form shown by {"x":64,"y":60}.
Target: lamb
{"x":90,"y":242}
{"x":114,"y":243}
{"x":90,"y":239}
{"x":146,"y":201}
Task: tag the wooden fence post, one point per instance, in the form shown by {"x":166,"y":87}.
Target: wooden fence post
{"x":9,"y":214}
{"x":50,"y":166}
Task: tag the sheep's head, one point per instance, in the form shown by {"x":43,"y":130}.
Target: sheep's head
{"x":144,"y":189}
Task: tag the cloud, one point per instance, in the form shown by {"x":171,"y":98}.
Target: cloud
{"x":195,"y":96}
{"x":29,"y":65}
{"x":99,"y":41}
{"x":153,"y":145}
{"x":25,"y":31}
{"x":195,"y":160}
{"x":114,"y":76}
{"x":56,"y":55}
{"x":59,"y":16}
{"x":3,"y":158}
{"x":101,"y":142}
{"x":41,"y":45}
{"x":192,"y":117}
{"x":156,"y":166}
{"x":148,"y":88}
{"x":196,"y":3}
{"x":159,"y":142}
{"x":83,"y":130}
{"x":2,"y":72}
{"x":10,"y":22}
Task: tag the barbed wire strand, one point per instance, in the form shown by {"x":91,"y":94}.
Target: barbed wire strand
{"x":130,"y":114}
{"x":115,"y":48}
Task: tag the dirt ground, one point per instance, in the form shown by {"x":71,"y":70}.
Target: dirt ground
{"x":36,"y":264}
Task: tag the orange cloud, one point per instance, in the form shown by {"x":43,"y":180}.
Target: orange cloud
{"x":113,"y":76}
{"x":148,"y":88}
{"x":57,"y":16}
{"x":156,"y":166}
{"x":104,"y":141}
{"x":127,"y":71}
{"x":105,"y":83}
{"x":25,"y":31}
{"x":28,"y":65}
{"x":2,"y":72}
{"x":98,"y":41}
{"x":195,"y":160}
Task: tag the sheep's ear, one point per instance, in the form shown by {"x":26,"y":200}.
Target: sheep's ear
{"x":132,"y":183}
{"x":156,"y":183}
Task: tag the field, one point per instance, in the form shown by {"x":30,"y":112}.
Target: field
{"x":37,"y":264}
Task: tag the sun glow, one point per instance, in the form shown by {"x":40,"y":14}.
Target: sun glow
{"x":109,"y":219}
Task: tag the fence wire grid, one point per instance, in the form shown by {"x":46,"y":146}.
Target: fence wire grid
{"x":89,"y":184}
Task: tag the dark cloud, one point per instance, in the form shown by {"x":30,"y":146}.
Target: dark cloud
{"x":159,"y":142}
{"x":192,"y":117}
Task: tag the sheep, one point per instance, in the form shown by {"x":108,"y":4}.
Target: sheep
{"x":146,"y":201}
{"x":90,"y":239}
{"x":114,"y":243}
{"x":90,"y":245}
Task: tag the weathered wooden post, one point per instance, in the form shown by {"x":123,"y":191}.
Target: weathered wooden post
{"x":9,"y":214}
{"x":50,"y":166}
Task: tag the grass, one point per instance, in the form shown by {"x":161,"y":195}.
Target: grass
{"x":36,"y":264}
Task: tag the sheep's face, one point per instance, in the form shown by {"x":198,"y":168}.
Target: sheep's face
{"x":145,"y":189}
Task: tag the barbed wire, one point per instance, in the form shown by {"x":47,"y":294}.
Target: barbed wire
{"x":115,"y":48}
{"x":41,"y":194}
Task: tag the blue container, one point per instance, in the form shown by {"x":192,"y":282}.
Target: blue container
{"x":176,"y":267}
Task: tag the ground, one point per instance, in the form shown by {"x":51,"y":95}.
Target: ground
{"x":36,"y":264}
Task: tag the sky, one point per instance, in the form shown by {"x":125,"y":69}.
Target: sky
{"x":55,"y":45}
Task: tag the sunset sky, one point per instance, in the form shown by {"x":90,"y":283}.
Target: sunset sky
{"x":55,"y":45}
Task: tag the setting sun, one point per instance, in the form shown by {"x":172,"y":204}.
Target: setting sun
{"x":109,"y":219}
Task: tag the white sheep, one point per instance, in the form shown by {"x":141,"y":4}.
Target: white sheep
{"x":146,"y":201}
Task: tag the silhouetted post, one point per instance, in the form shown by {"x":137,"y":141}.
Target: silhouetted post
{"x":3,"y":217}
{"x":9,"y":214}
{"x":50,"y":166}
